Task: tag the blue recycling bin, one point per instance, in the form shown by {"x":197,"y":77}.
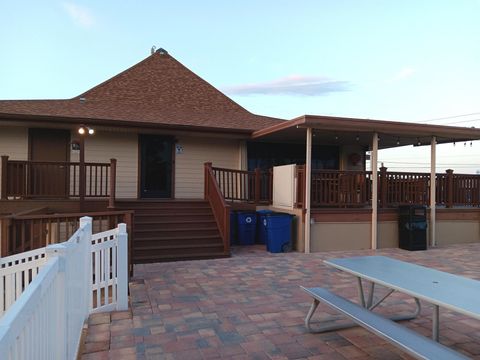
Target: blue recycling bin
{"x":247,"y":223}
{"x":262,"y":225}
{"x":233,"y":228}
{"x":278,"y":228}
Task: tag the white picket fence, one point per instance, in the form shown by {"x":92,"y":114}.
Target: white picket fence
{"x":16,"y":272}
{"x":88,"y":273}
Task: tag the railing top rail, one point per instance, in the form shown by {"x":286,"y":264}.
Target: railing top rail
{"x":66,"y":215}
{"x":217,"y":188}
{"x":410,"y":173}
{"x":22,"y":257}
{"x":55,"y":162}
{"x":233,"y":170}
{"x":239,"y":171}
{"x":323,"y":171}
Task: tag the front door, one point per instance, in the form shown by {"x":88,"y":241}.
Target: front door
{"x":155,"y":166}
{"x":47,"y":179}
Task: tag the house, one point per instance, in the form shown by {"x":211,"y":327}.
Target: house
{"x":160,"y":141}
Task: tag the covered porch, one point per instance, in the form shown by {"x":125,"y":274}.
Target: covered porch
{"x":352,"y":199}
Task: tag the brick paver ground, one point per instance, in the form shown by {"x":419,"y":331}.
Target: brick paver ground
{"x":250,"y":306}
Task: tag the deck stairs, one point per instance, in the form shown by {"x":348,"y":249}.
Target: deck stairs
{"x":173,"y":230}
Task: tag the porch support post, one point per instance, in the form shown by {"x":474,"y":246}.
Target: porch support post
{"x":374,"y":166}
{"x":308,"y":179}
{"x":113,"y":179}
{"x":433,"y":186}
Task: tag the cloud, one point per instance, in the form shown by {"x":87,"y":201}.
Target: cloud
{"x":404,"y":73}
{"x":291,"y":85}
{"x":79,"y":14}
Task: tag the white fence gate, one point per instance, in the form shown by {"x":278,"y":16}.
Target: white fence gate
{"x":46,"y":320}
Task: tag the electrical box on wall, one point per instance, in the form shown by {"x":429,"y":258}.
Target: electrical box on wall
{"x":178,"y":149}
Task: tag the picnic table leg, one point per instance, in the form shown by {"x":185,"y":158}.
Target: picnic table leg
{"x":436,"y":322}
{"x":370,"y":294}
{"x":360,"y":292}
{"x":310,"y":314}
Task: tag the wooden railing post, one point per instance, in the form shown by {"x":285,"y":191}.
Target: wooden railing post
{"x":82,"y":183}
{"x":5,"y":225}
{"x":258,"y":184}
{"x":3,"y":180}
{"x":207,"y":168}
{"x":383,"y":186}
{"x":128,"y":220}
{"x":449,"y":189}
{"x":113,"y":180}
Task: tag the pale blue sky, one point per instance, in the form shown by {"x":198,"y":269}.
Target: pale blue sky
{"x":392,"y":60}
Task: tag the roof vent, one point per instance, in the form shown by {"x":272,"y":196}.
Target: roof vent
{"x":82,"y":99}
{"x":162,"y":51}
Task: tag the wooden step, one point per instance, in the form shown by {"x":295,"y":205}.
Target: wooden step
{"x":185,"y":233}
{"x":180,"y":238}
{"x":168,"y":230}
{"x":179,"y":224}
{"x":141,"y":205}
{"x":173,"y":218}
{"x":150,"y":258}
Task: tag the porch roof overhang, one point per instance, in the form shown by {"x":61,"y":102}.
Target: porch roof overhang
{"x":330,"y":130}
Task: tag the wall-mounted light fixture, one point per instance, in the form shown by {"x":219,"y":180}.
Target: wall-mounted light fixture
{"x":85,"y":129}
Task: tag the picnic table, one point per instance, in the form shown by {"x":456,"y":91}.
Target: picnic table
{"x":441,"y":289}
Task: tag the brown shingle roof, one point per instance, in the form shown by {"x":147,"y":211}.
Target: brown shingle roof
{"x":157,"y":91}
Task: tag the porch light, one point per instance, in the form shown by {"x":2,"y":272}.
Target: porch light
{"x":82,"y":130}
{"x":398,"y":141}
{"x":357,"y":138}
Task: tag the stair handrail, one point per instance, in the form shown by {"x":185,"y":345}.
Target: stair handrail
{"x":220,"y":209}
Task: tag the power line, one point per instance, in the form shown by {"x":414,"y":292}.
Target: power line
{"x":463,"y":121}
{"x":449,"y":117}
{"x":426,"y":163}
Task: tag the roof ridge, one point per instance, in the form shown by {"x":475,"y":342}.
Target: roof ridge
{"x":109,"y":80}
{"x":213,"y":87}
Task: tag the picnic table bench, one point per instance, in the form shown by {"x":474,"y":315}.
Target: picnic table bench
{"x":439,"y":288}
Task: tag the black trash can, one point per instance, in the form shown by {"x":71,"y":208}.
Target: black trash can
{"x":247,"y":226}
{"x":412,"y":227}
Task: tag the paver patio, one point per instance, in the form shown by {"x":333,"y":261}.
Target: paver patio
{"x":250,"y":306}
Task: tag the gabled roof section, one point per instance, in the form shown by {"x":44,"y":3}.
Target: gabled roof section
{"x":157,"y":91}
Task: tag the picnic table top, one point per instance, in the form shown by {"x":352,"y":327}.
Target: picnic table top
{"x":447,"y":290}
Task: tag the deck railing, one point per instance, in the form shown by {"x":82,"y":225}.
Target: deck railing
{"x":248,"y":186}
{"x":20,"y":233}
{"x":338,"y":188}
{"x":221,"y":210}
{"x":88,"y":273}
{"x":48,"y":179}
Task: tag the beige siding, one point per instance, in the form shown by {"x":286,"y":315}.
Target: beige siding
{"x":340,"y":236}
{"x":124,"y":147}
{"x":14,"y":143}
{"x":197,"y":151}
